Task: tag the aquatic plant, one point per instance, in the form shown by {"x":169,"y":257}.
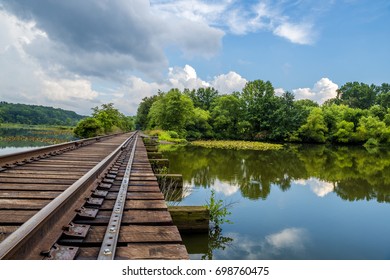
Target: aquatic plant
{"x":237,"y":145}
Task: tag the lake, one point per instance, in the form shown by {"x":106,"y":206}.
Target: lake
{"x":303,"y":202}
{"x":19,"y":139}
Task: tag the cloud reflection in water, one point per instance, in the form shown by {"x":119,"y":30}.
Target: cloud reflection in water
{"x":289,"y":243}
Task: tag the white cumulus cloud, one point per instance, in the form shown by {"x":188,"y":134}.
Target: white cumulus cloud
{"x":228,"y":83}
{"x":323,"y":90}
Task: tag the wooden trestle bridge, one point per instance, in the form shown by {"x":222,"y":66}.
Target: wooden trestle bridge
{"x":89,"y":199}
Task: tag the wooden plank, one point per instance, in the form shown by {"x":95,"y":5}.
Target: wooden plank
{"x":24,"y":204}
{"x":34,"y":187}
{"x":33,"y":180}
{"x":190,"y":218}
{"x":143,"y":178}
{"x":137,"y":205}
{"x":132,"y":217}
{"x":137,"y":234}
{"x":43,"y":172}
{"x":144,"y":188}
{"x":74,"y":177}
{"x":138,"y":188}
{"x":140,"y":252}
{"x":142,"y":183}
{"x":29,"y":194}
{"x":54,"y":161}
{"x":48,"y":168}
{"x":15,"y":217}
{"x":138,"y":195}
{"x":5,"y":231}
{"x":135,"y":173}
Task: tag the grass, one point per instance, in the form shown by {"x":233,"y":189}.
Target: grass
{"x":163,"y":135}
{"x":237,"y":145}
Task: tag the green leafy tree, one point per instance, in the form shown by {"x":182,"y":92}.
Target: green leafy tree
{"x":373,"y":128}
{"x":202,"y":97}
{"x":358,"y":95}
{"x":344,"y":132}
{"x":383,"y":97}
{"x":171,"y":112}
{"x":88,"y":127}
{"x":315,"y":129}
{"x":110,"y":118}
{"x":259,"y":103}
{"x":141,"y":120}
{"x":226,"y":114}
{"x":198,"y":125}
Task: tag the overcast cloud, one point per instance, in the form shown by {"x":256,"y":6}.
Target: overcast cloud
{"x":79,"y":54}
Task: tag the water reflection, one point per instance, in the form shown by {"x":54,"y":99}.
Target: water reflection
{"x":353,"y":173}
{"x":320,"y":188}
{"x":289,"y":243}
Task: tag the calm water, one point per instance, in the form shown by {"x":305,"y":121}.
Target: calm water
{"x":305,"y":202}
{"x":14,"y":140}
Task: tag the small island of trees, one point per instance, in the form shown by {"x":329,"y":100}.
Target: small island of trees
{"x":359,"y":114}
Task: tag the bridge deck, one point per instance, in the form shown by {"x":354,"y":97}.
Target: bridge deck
{"x":147,"y":230}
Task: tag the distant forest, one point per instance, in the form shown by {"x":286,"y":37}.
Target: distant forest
{"x":34,"y":115}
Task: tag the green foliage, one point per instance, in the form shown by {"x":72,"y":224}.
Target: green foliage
{"x":237,"y":145}
{"x":257,"y":114}
{"x":112,"y":120}
{"x":87,"y":128}
{"x":104,"y":120}
{"x":142,"y":120}
{"x":202,"y":97}
{"x":169,"y":136}
{"x":371,"y":127}
{"x":344,"y":132}
{"x":259,"y":103}
{"x":171,"y":112}
{"x":226,"y":114}
{"x":218,"y":211}
{"x":314,"y":129}
{"x":358,"y":95}
{"x":37,"y":115}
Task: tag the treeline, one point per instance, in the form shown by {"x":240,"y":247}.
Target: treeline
{"x":104,"y":120}
{"x":359,"y":114}
{"x":36,"y":115}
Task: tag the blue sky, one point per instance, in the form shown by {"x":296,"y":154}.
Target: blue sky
{"x":79,"y":54}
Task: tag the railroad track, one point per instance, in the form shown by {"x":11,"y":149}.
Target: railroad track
{"x":95,"y":199}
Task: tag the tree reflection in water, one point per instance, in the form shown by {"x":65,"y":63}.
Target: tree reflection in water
{"x":355,"y":173}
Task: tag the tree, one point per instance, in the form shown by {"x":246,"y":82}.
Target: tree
{"x":110,"y":118}
{"x":314,"y":129}
{"x":88,"y":127}
{"x":287,"y":117}
{"x":383,"y":97}
{"x":226,"y":113}
{"x":141,"y":121}
{"x":373,"y":128}
{"x":198,"y":125}
{"x":171,"y":112}
{"x":202,"y":97}
{"x":344,"y":132}
{"x":357,"y":95}
{"x":259,"y":102}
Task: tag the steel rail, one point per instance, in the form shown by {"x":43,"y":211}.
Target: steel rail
{"x":27,"y":155}
{"x":108,"y":248}
{"x":30,"y":239}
